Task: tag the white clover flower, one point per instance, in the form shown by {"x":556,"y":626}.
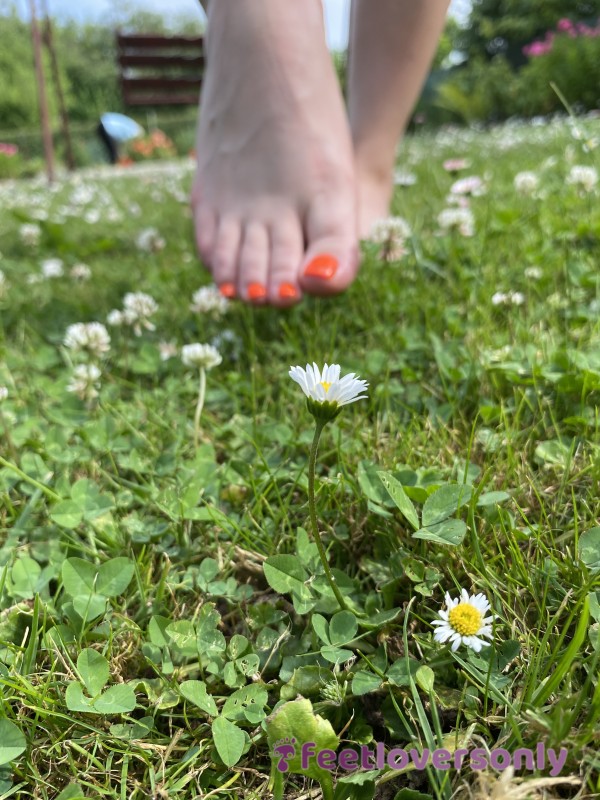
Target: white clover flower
{"x":465,"y":622}
{"x":391,"y":233}
{"x":92,"y":216}
{"x":209,"y":300}
{"x":167,"y":350}
{"x":204,"y":356}
{"x":585,"y":178}
{"x":30,"y":234}
{"x":85,"y":381}
{"x":456,"y":164}
{"x":115,"y":318}
{"x":533,"y":273}
{"x":3,"y":393}
{"x":3,"y":284}
{"x":150,"y":241}
{"x":34,"y":278}
{"x":508,"y":298}
{"x":138,"y":308}
{"x":404,"y":178}
{"x":460,"y":219}
{"x":326,"y":393}
{"x":526,"y":182}
{"x":52,"y":268}
{"x":89,"y":336}
{"x":80,"y":272}
{"x":472,"y":185}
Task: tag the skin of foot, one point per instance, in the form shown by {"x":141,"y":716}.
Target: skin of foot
{"x":274,"y":197}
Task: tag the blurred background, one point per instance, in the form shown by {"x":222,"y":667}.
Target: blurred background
{"x":497,"y":59}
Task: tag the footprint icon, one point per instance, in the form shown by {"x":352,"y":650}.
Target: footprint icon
{"x":285,"y":749}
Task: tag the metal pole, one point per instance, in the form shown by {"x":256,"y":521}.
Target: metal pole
{"x":62,"y":107}
{"x":41,"y":87}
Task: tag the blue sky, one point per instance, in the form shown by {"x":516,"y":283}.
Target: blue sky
{"x":336,"y":12}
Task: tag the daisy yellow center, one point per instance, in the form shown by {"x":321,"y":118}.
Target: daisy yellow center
{"x":465,"y":619}
{"x":325,"y":385}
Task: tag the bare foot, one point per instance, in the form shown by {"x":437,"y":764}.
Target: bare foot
{"x":274,"y":195}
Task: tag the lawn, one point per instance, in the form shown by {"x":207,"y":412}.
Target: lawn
{"x":165,"y":618}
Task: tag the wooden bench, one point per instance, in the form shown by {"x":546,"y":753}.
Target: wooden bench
{"x":160,"y":70}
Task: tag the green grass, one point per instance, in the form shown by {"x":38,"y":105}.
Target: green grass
{"x":134,"y":564}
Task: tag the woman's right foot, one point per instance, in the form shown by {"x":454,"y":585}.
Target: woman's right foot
{"x":274,"y":194}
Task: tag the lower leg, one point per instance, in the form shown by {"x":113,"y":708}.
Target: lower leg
{"x":392,"y":44}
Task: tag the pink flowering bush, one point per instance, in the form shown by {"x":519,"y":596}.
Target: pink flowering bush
{"x":10,"y":161}
{"x":568,"y":56}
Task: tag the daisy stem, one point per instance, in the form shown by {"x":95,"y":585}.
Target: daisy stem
{"x":313,"y":514}
{"x":199,"y":406}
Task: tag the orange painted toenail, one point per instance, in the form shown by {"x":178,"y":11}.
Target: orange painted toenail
{"x":227,"y":290}
{"x":256,"y":291}
{"x":287,"y":291}
{"x":323,"y":267}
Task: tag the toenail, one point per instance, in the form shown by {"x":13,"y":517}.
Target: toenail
{"x":227,"y":290}
{"x":287,"y":291}
{"x":323,"y":267}
{"x":256,"y":291}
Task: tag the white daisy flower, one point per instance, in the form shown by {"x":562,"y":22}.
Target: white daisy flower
{"x":404,"y":178}
{"x":209,"y":300}
{"x":90,"y":336}
{"x":204,"y":356}
{"x":391,"y":233}
{"x":85,"y":381}
{"x":465,"y":621}
{"x":138,"y":308}
{"x":326,"y":393}
{"x":52,"y":268}
{"x":526,"y":182}
{"x":584,"y":177}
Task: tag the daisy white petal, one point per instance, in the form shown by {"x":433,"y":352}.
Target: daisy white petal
{"x":464,"y":621}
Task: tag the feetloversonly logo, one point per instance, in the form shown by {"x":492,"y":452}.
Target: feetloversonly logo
{"x":397,"y":758}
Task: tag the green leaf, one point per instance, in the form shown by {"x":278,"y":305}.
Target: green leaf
{"x":118,"y":699}
{"x":114,"y":576}
{"x":398,"y":672}
{"x":444,"y":503}
{"x":306,"y":681}
{"x":297,"y":720}
{"x":197,"y":694}
{"x":12,"y":741}
{"x":336,"y":655}
{"x":589,"y":549}
{"x":425,"y":678}
{"x":72,"y":792}
{"x":365,"y":682}
{"x":93,"y":670}
{"x":321,"y":627}
{"x":76,"y":700}
{"x":25,"y":575}
{"x":79,"y":577}
{"x":342,"y":627}
{"x":89,"y":606}
{"x":247,"y":700}
{"x":450,"y":531}
{"x":67,"y":514}
{"x":492,"y":498}
{"x":285,"y":574}
{"x":229,"y":741}
{"x":400,"y":498}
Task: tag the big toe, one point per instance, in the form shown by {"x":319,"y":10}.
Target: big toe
{"x":331,"y":260}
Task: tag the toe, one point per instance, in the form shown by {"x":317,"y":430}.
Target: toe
{"x":287,"y":249}
{"x":331,"y":260}
{"x":224,"y":257}
{"x":206,"y":231}
{"x":253,"y":265}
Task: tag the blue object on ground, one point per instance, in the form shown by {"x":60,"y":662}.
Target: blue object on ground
{"x":119,"y":127}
